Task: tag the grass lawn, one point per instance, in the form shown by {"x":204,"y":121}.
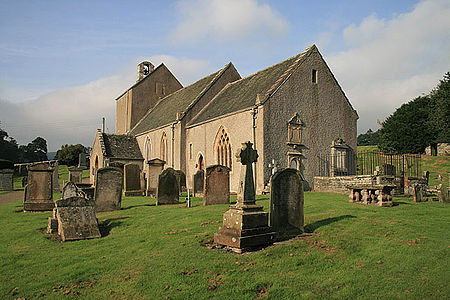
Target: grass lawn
{"x":148,"y":252}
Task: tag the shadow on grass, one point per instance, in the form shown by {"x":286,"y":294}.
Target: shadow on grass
{"x":310,"y":228}
{"x":397,"y":203}
{"x":133,"y":206}
{"x":108,"y":224}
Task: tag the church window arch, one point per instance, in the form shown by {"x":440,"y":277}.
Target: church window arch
{"x":223,"y":148}
{"x":163,"y":147}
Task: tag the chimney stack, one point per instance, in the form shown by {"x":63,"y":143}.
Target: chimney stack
{"x":144,"y":68}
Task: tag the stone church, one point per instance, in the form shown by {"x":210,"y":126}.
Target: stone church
{"x":291,"y":111}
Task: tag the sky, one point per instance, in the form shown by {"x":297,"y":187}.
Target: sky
{"x":63,"y":63}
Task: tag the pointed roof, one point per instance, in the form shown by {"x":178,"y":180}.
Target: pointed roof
{"x":119,"y":146}
{"x":175,"y":105}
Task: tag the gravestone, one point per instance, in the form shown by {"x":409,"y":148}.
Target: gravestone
{"x":286,"y":202}
{"x":443,"y":193}
{"x":6,"y":179}
{"x":75,"y":174}
{"x":417,"y":193}
{"x":87,"y":190}
{"x":108,"y":189}
{"x":52,"y":226}
{"x":167,"y":192}
{"x":132,"y":180}
{"x":82,"y":162}
{"x":76,"y":219}
{"x":70,"y":190}
{"x":54,"y":164}
{"x":181,"y":179}
{"x":245,"y":224}
{"x":426,"y":175}
{"x":155,"y":168}
{"x":39,"y":189}
{"x":217,"y":185}
{"x":199,"y":180}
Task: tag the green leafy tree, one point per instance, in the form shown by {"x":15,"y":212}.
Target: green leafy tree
{"x":34,"y":151}
{"x":68,"y":154}
{"x":9,"y":149}
{"x":440,"y":115}
{"x":369,"y":138}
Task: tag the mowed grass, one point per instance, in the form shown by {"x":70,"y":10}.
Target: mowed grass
{"x":437,"y":165}
{"x":151,"y":252}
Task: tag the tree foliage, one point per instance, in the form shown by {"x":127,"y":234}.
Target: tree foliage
{"x":68,"y":154}
{"x":10,"y":150}
{"x":369,"y":138}
{"x":418,"y":123}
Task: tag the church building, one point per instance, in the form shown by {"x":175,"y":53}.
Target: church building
{"x":292,"y":112}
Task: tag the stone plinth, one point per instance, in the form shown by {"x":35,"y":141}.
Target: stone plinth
{"x":39,"y":189}
{"x":216,"y":189}
{"x":6,"y":180}
{"x":75,"y":174}
{"x":245,"y":224}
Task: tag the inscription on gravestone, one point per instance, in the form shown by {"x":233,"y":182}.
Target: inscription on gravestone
{"x":39,"y":189}
{"x":108,"y":189}
{"x":217,"y":185}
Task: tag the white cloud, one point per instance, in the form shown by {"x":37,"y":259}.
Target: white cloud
{"x":72,"y":115}
{"x":222,"y":20}
{"x":389,"y":62}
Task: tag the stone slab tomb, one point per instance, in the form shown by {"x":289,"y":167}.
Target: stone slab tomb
{"x":287,"y":202}
{"x":108,"y":189}
{"x":39,"y":189}
{"x":76,"y":219}
{"x":132,"y":180}
{"x":6,"y":180}
{"x":167,"y":192}
{"x":199,"y":180}
{"x":155,"y":168}
{"x":216,"y":188}
{"x":75,"y":174}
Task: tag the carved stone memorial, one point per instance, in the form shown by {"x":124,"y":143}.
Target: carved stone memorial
{"x":245,"y":224}
{"x":181,"y":179}
{"x":155,"y":167}
{"x":286,"y":202}
{"x":216,"y":189}
{"x":70,"y":190}
{"x":167,"y":192}
{"x":199,"y":180}
{"x":132,"y":180}
{"x":417,"y":192}
{"x":6,"y":180}
{"x":39,"y":189}
{"x":108,"y":189}
{"x":443,"y":193}
{"x":75,"y":174}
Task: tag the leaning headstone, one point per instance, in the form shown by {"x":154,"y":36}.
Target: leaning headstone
{"x":245,"y":224}
{"x":199,"y":179}
{"x":76,"y":219}
{"x":443,"y":193}
{"x":39,"y":189}
{"x":132,"y":180}
{"x":6,"y":179}
{"x":70,"y":190}
{"x":286,"y":202}
{"x":181,"y":179}
{"x":108,"y":189}
{"x":216,"y":189}
{"x":167,"y":192}
{"x":75,"y":174}
{"x":417,"y":192}
{"x":155,"y":168}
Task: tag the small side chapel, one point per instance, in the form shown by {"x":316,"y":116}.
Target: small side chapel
{"x":291,"y":112}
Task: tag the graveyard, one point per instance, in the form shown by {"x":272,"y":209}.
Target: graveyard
{"x":168,"y":251}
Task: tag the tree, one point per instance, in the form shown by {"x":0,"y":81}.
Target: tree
{"x":34,"y":151}
{"x":9,"y":149}
{"x":440,"y":116}
{"x":68,"y":154}
{"x":369,"y":138}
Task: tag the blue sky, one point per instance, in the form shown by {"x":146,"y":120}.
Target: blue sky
{"x":62,"y":63}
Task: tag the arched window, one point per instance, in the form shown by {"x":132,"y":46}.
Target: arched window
{"x":201,"y":163}
{"x":223,"y":148}
{"x":163,"y":147}
{"x":148,"y":149}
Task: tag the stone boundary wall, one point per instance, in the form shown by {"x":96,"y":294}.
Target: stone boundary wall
{"x":337,"y":184}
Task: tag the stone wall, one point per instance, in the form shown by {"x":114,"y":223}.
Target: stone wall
{"x":337,"y":184}
{"x":443,"y":149}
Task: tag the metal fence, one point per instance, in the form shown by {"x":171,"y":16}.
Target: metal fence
{"x":365,"y":163}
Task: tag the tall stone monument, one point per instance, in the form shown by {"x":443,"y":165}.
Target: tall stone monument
{"x":39,"y":189}
{"x":286,"y":202}
{"x":245,"y":224}
{"x":108,"y":189}
{"x":168,"y":192}
{"x":216,"y":189}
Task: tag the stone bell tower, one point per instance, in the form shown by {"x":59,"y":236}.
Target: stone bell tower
{"x":144,"y":68}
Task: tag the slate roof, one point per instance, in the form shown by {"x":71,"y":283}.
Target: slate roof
{"x":242,"y":93}
{"x":165,"y":111}
{"x":121,"y":146}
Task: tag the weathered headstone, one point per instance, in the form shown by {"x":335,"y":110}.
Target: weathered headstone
{"x":216,"y":189}
{"x":54,"y":164}
{"x":245,"y":224}
{"x":39,"y":189}
{"x":6,"y":179}
{"x":286,"y":202}
{"x":181,"y":179}
{"x":417,"y":192}
{"x":70,"y":190}
{"x":75,"y":174}
{"x":199,"y":180}
{"x":87,"y":190}
{"x":108,"y":189}
{"x":155,"y":167}
{"x":167,"y":192}
{"x":76,"y":219}
{"x":82,"y":162}
{"x":443,"y":193}
{"x":132,"y":180}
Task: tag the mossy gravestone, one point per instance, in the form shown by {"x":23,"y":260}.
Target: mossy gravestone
{"x":39,"y":190}
{"x":108,"y":189}
{"x":76,"y":219}
{"x":167,"y":192}
{"x":216,"y":189}
{"x":286,"y":202}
